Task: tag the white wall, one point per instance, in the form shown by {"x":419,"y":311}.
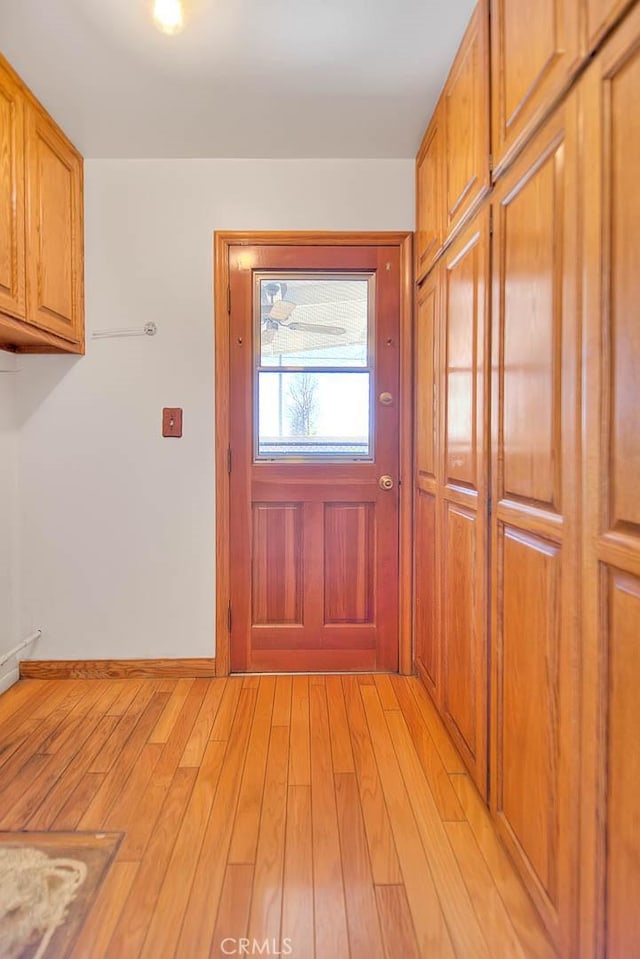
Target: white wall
{"x":118,"y":528}
{"x":9,"y":563}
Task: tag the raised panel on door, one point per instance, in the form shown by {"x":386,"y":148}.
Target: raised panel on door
{"x":464,"y":493}
{"x":12,"y":235}
{"x":535,"y":53}
{"x":623,"y":784}
{"x":349,"y":562}
{"x":466,"y":110}
{"x":426,"y":582}
{"x":429,"y":200}
{"x":54,"y":230}
{"x":536,"y":417}
{"x":426,"y":369}
{"x":277,"y":564}
{"x":610,"y":874}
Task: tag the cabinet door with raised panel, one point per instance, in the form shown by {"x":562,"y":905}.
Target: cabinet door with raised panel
{"x":12,"y":239}
{"x":427,"y":546}
{"x":466,"y":110}
{"x":535,"y":52}
{"x":611,"y":545}
{"x":429,"y":203}
{"x":535,"y":521}
{"x":465,"y":494}
{"x":54,"y":229}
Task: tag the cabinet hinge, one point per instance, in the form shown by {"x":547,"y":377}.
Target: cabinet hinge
{"x":229,"y":300}
{"x":490,"y":221}
{"x":228,"y":459}
{"x":489,"y":506}
{"x":491,"y":163}
{"x":229,"y":616}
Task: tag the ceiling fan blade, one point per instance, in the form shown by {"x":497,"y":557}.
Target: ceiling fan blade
{"x":317,"y":328}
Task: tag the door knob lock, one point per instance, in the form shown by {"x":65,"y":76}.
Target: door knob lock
{"x":385,"y":482}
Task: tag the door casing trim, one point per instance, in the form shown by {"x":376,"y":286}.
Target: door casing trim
{"x":223,"y":241}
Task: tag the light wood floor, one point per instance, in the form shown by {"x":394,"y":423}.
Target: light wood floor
{"x":330,"y":814}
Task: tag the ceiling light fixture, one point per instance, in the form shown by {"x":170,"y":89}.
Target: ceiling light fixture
{"x":167,"y":15}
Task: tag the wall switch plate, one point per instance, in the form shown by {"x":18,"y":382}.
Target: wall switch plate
{"x":172,"y":421}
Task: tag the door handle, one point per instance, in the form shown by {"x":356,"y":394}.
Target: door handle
{"x":385,"y":482}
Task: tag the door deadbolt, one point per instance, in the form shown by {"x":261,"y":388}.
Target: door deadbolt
{"x":385,"y":482}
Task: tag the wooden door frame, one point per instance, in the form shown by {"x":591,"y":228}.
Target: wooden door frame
{"x":223,"y":241}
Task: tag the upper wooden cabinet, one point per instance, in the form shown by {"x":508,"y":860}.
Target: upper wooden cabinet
{"x":465,"y":105}
{"x":452,"y":167}
{"x":535,"y":52}
{"x":12,"y":235}
{"x":41,"y":227}
{"x":429,"y":205}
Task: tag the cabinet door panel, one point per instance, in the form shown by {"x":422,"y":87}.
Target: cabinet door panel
{"x":466,"y":106}
{"x":54,"y":230}
{"x":535,"y":523}
{"x":610,"y":872}
{"x":427,"y":634}
{"x":429,"y":205}
{"x":600,"y":16}
{"x":534,"y":56}
{"x":12,"y":237}
{"x":464,"y":493}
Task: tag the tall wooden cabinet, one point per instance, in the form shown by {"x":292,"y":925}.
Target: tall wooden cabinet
{"x":535,"y":523}
{"x":611,"y":496}
{"x":41,"y":227}
{"x":452,"y":490}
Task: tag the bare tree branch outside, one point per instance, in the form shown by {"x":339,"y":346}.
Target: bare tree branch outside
{"x":303,"y":405}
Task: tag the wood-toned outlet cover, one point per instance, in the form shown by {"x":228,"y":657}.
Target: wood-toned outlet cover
{"x":172,"y":421}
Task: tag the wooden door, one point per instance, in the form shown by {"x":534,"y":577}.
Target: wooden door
{"x":535,"y":51}
{"x":314,"y":505}
{"x":55,"y":295}
{"x":429,"y":197}
{"x":12,"y":237}
{"x":611,"y":545}
{"x":466,"y":110}
{"x":463,"y":542}
{"x":428,"y":479}
{"x":535,"y":477}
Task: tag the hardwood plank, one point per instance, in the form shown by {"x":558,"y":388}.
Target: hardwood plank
{"x":172,"y":900}
{"x":134,"y":922}
{"x":300,"y":748}
{"x":202,"y":905}
{"x":282,"y":703}
{"x":197,"y":743}
{"x":297,"y":893}
{"x":128,"y":692}
{"x":171,"y":711}
{"x":365,"y":938}
{"x":97,"y":930}
{"x":115,"y":779}
{"x":128,"y":722}
{"x":437,"y":776}
{"x":464,"y":929}
{"x":386,"y":691}
{"x":221,"y":728}
{"x":341,"y":750}
{"x":235,"y":901}
{"x":244,"y":839}
{"x":490,"y":910}
{"x":266,"y":903}
{"x":522,"y":913}
{"x":183,"y":725}
{"x":331,"y":936}
{"x":397,"y":925}
{"x":78,"y":802}
{"x":122,"y":810}
{"x":382,"y":849}
{"x":428,"y":919}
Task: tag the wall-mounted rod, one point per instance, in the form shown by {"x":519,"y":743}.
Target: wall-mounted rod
{"x":149,"y":329}
{"x":16,"y":649}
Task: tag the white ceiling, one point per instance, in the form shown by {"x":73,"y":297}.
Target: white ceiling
{"x":246,"y":78}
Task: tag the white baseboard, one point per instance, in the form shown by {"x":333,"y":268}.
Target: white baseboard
{"x":8,"y":679}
